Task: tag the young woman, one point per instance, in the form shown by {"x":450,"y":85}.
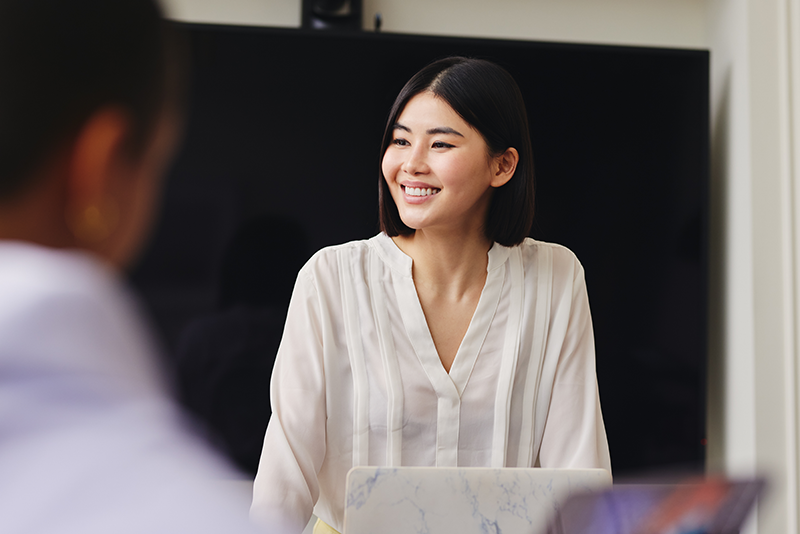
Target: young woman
{"x":450,"y":339}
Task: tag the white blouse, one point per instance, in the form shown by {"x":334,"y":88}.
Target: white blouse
{"x":358,"y":381}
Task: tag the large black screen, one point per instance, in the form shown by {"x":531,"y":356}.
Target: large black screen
{"x":283,"y":131}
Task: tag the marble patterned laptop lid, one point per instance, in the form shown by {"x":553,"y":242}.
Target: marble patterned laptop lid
{"x":466,"y":500}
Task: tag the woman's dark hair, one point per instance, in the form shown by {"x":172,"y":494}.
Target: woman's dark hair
{"x":61,"y":61}
{"x":488,"y":99}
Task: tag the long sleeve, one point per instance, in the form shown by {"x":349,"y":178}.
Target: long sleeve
{"x":574,"y":434}
{"x":286,"y":485}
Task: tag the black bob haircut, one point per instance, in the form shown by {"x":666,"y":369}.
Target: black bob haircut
{"x":63,"y":60}
{"x":488,"y":99}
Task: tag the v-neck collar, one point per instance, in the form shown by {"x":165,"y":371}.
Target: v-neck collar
{"x":452,"y":384}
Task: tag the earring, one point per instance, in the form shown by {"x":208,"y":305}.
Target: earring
{"x":93,"y":223}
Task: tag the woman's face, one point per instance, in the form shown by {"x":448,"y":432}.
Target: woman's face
{"x":438,"y":168}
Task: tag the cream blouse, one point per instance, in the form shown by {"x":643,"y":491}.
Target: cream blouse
{"x":358,"y":381}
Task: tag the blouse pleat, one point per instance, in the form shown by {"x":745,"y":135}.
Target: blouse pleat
{"x":394,"y":384}
{"x":544,"y":283}
{"x":357,"y":363}
{"x":508,"y":366}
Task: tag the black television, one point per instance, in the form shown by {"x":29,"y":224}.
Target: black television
{"x":284,"y":126}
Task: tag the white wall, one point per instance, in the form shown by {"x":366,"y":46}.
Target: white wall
{"x":753,"y":387}
{"x":732,"y":346}
{"x":755,"y":227}
{"x":284,"y":13}
{"x":677,"y":23}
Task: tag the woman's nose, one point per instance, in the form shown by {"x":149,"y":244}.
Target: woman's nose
{"x":415,"y":162}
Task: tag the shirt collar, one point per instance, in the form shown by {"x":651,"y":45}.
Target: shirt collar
{"x":399,"y":261}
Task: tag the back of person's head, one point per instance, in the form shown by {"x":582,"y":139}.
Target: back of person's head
{"x":488,"y":99}
{"x":60,"y":61}
{"x":89,"y":82}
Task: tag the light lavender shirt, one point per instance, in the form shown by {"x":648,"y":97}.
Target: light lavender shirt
{"x":90,"y":442}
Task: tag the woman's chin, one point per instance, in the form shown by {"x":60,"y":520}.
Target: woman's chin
{"x":413,"y":223}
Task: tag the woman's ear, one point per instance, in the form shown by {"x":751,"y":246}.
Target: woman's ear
{"x":504,"y":167}
{"x":94,"y":163}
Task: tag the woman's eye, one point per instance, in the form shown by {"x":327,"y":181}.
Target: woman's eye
{"x":399,"y":142}
{"x":441,"y":144}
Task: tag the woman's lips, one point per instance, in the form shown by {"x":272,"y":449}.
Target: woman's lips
{"x":417,"y":195}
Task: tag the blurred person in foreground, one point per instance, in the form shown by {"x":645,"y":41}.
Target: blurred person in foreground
{"x":90,"y":441}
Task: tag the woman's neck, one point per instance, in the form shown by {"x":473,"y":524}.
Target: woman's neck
{"x":450,"y":265}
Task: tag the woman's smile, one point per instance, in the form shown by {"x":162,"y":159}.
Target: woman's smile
{"x":417,"y":194}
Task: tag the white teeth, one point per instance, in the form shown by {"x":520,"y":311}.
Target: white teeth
{"x":420,"y":192}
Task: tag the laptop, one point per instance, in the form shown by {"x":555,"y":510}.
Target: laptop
{"x":466,"y":500}
{"x":711,"y":505}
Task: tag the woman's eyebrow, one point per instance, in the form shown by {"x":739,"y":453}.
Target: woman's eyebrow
{"x":444,"y":130}
{"x":432,"y":131}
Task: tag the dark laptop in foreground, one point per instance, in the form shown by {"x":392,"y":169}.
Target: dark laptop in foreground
{"x":707,"y":506}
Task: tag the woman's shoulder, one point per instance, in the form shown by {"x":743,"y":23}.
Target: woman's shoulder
{"x":565,"y":261}
{"x":354,"y":248}
{"x":327,"y":260}
{"x":531,"y":246}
